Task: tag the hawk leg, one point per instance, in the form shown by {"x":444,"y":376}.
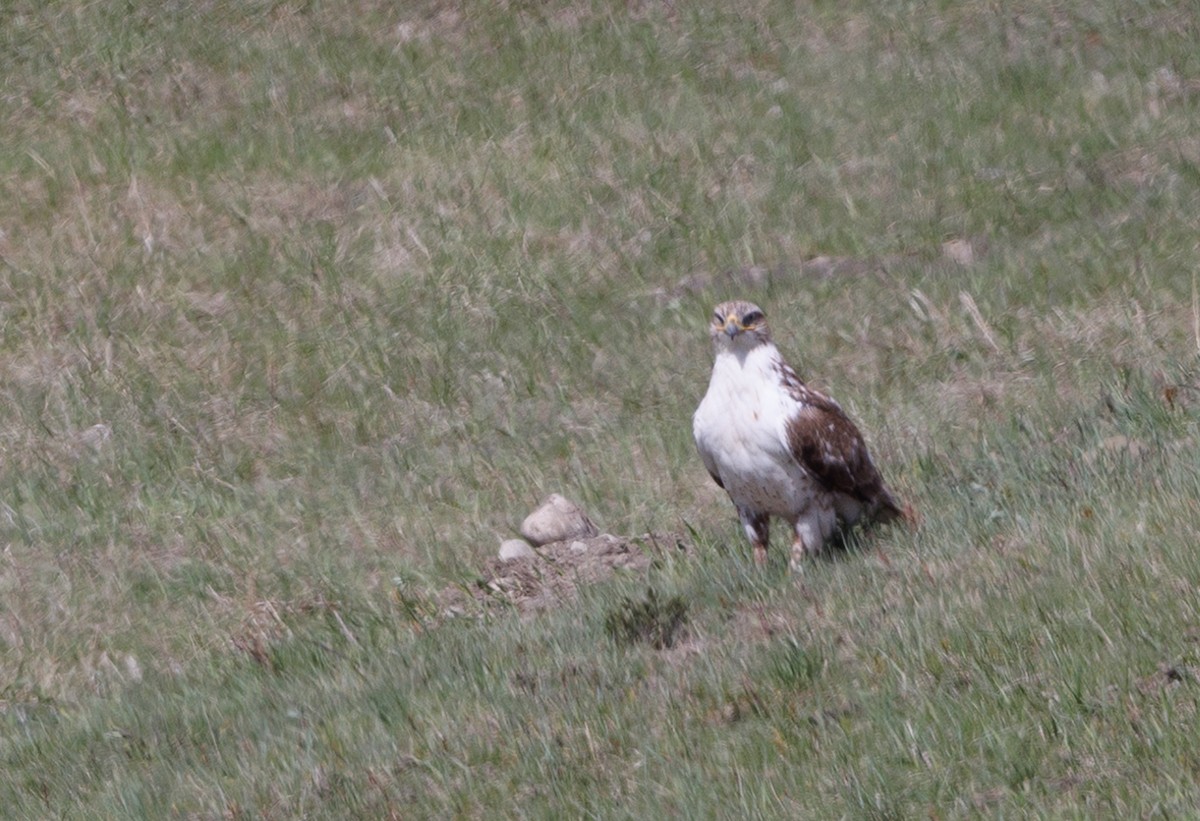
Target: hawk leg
{"x":812,"y":528}
{"x":758,"y":531}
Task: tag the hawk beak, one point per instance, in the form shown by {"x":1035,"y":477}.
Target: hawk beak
{"x":732,"y":328}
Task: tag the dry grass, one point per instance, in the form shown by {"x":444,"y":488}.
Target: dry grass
{"x":304,"y":306}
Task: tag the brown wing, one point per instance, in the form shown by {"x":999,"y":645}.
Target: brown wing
{"x":824,"y":440}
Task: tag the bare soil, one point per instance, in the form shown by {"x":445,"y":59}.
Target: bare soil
{"x":555,"y":575}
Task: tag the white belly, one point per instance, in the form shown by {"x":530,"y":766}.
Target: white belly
{"x":768,"y":486}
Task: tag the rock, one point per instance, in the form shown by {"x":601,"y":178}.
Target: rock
{"x":556,"y":520}
{"x":1117,"y":446}
{"x":959,"y":251}
{"x":94,"y":437}
{"x":513,"y":549}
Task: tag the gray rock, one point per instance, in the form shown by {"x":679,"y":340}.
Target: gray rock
{"x":94,"y":437}
{"x":513,"y":549}
{"x":556,"y":520}
{"x":959,"y":251}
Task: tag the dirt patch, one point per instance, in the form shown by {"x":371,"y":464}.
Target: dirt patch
{"x":555,"y":575}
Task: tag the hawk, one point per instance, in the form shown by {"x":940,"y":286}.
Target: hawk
{"x":779,"y":447}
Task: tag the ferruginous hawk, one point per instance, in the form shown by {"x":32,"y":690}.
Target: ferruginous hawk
{"x":779,"y":447}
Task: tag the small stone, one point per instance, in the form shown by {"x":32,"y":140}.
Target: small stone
{"x":1123,"y":444}
{"x":558,"y":519}
{"x":513,"y":549}
{"x":959,"y":251}
{"x":94,"y":437}
{"x":133,"y":670}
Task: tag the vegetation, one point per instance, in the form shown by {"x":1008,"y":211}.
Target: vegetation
{"x":651,"y":620}
{"x":303,"y":306}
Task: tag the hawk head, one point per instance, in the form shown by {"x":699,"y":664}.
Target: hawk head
{"x":738,"y":326}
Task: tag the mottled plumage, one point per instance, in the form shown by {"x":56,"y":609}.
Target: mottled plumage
{"x":779,"y":447}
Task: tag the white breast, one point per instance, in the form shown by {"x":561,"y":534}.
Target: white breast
{"x":740,"y":431}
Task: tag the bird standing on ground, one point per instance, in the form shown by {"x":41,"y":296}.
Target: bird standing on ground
{"x":779,"y":447}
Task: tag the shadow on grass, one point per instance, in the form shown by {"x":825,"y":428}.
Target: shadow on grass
{"x":855,"y":542}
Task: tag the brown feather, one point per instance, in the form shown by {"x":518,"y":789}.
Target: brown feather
{"x":827,"y":443}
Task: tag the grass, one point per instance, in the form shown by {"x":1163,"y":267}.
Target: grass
{"x":303,"y":306}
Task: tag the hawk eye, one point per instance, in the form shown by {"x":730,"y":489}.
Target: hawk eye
{"x":717,"y":318}
{"x":752,"y":318}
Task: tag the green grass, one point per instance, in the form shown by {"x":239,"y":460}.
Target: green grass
{"x":352,"y":286}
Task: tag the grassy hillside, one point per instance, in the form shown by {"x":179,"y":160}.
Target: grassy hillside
{"x":304,"y":305}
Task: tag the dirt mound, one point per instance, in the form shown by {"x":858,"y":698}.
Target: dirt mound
{"x":556,"y":572}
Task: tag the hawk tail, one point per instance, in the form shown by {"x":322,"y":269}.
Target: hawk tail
{"x":888,"y":509}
